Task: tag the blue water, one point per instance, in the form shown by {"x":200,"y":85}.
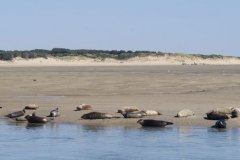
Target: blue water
{"x":72,"y":142}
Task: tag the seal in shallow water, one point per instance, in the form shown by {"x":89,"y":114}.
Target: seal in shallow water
{"x":220,"y":124}
{"x":153,"y":123}
{"x":35,"y":119}
{"x":97,"y":115}
{"x":16,"y":114}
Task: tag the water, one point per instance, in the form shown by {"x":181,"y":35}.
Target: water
{"x":72,"y":142}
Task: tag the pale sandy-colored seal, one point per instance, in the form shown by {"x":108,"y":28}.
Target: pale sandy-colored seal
{"x":185,"y":113}
{"x":128,"y":109}
{"x":31,"y":107}
{"x":83,"y":107}
{"x":227,"y":110}
{"x":97,"y":115}
{"x":151,"y":112}
{"x":16,"y":114}
{"x":35,"y":119}
{"x":153,"y":123}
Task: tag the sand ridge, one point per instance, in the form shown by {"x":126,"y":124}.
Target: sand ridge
{"x":167,"y":89}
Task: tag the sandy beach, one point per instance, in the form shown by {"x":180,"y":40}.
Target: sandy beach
{"x":166,"y":88}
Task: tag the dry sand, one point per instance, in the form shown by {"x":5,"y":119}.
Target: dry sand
{"x":167,"y":89}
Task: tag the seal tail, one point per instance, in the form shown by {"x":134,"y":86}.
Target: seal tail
{"x":169,"y":123}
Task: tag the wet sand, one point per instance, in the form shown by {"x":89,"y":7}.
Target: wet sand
{"x":167,"y":89}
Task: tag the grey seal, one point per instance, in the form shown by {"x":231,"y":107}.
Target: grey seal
{"x":97,"y":115}
{"x":153,"y":123}
{"x":132,"y":114}
{"x":220,"y":124}
{"x":54,"y":113}
{"x":16,"y":114}
{"x":35,"y":119}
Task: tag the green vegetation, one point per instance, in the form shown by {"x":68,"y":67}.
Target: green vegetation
{"x":96,"y":54}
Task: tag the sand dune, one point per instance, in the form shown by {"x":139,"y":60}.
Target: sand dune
{"x":145,"y":60}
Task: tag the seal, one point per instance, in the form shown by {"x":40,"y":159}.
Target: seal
{"x":35,"y":119}
{"x":97,"y":115}
{"x":217,"y":115}
{"x":220,"y":124}
{"x":153,"y":123}
{"x":54,"y":113}
{"x":151,"y":112}
{"x":235,"y":113}
{"x":132,"y":114}
{"x":227,"y":110}
{"x":128,"y":109}
{"x":16,"y":114}
{"x":21,"y":119}
{"x":185,"y":113}
{"x":83,"y":107}
{"x":31,"y":107}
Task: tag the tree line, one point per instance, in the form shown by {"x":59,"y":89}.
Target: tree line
{"x":102,"y":54}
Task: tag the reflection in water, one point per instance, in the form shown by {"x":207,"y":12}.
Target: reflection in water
{"x":55,"y":141}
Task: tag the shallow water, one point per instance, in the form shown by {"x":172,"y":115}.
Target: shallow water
{"x":70,"y":142}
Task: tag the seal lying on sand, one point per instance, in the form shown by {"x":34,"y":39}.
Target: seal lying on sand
{"x":227,"y":110}
{"x":54,"y":113}
{"x":217,"y":115}
{"x":21,"y":119}
{"x":128,"y":109}
{"x":132,"y":114}
{"x":35,"y":119}
{"x":31,"y":107}
{"x":235,"y":113}
{"x":97,"y":115}
{"x":220,"y":124}
{"x":16,"y":114}
{"x":151,"y":112}
{"x":185,"y":113}
{"x":83,"y":107}
{"x":153,"y":123}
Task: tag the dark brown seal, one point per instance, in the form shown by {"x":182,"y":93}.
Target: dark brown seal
{"x":97,"y":115}
{"x":153,"y":123}
{"x":217,"y":115}
{"x":35,"y":119}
